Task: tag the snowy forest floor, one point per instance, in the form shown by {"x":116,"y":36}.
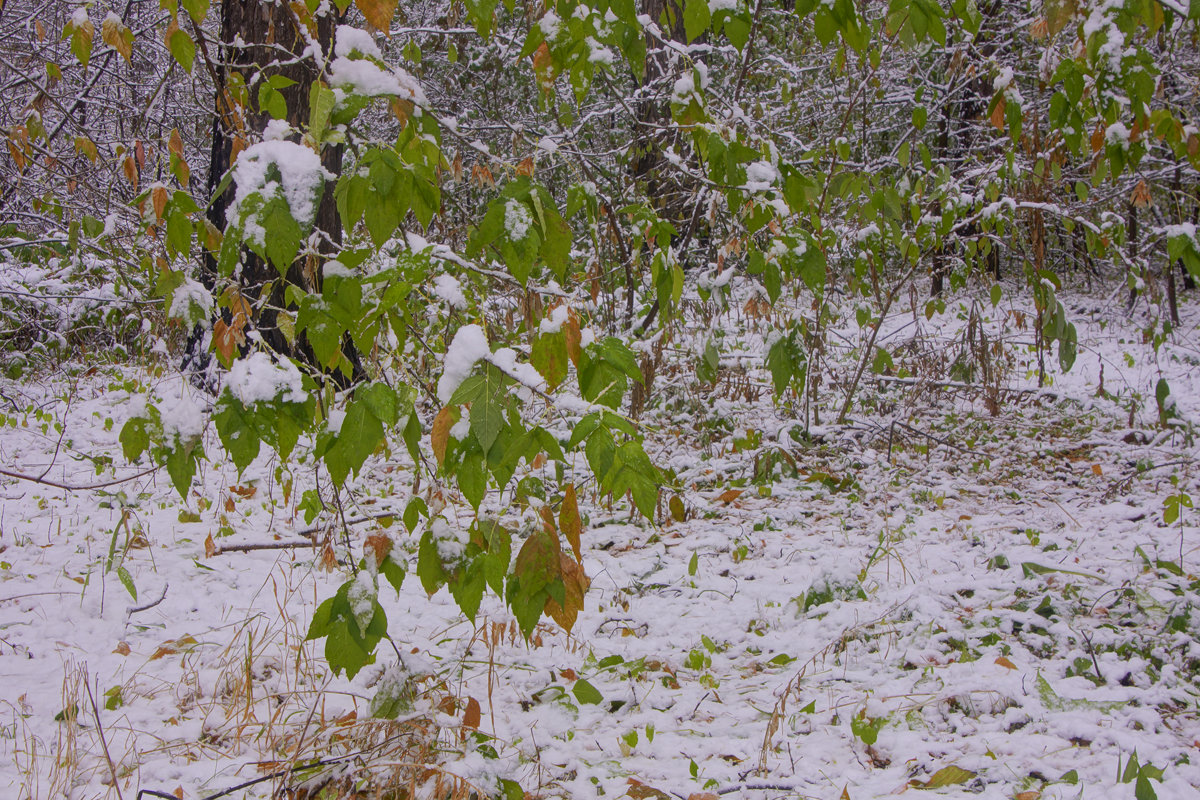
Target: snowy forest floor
{"x":962,"y":591}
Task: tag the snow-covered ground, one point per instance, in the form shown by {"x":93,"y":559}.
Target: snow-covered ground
{"x":929,"y":597}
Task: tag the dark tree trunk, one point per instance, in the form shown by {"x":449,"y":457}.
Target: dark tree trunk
{"x":270,"y":42}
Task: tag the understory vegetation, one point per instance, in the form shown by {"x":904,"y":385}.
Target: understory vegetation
{"x":459,"y":400}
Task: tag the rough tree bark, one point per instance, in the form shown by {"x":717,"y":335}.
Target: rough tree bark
{"x":259,"y":40}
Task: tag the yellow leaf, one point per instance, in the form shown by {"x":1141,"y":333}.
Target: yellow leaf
{"x":87,"y":147}
{"x":678,"y":512}
{"x":946,"y":776}
{"x":569,"y":522}
{"x":439,"y":436}
{"x":378,"y":12}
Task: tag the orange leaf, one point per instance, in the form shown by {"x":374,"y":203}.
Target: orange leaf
{"x":130,"y":169}
{"x":1004,"y":662}
{"x":473,"y":715}
{"x":210,"y":547}
{"x":178,"y":792}
{"x":122,"y":649}
{"x":439,"y":436}
{"x":526,"y":167}
{"x":159,"y":198}
{"x":569,"y":522}
{"x":379,"y":13}
{"x":379,"y":545}
{"x":547,"y":520}
{"x":175,"y":143}
{"x":575,"y":584}
{"x":997,"y":118}
{"x":1096,"y":469}
{"x":574,"y":338}
{"x":729,"y":495}
{"x":244,"y":491}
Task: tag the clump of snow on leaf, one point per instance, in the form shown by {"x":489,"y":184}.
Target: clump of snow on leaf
{"x":191,"y":302}
{"x":517,"y":220}
{"x":468,"y":347}
{"x":279,"y":167}
{"x":257,"y":378}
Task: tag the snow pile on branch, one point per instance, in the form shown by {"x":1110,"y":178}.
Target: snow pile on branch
{"x":358,"y":68}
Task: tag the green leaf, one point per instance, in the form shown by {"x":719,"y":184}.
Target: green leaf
{"x":197,"y":9}
{"x":181,"y":466}
{"x":183,"y":49}
{"x":134,"y":438}
{"x":127,"y":581}
{"x":549,"y":357}
{"x":585,"y":693}
{"x":696,"y":18}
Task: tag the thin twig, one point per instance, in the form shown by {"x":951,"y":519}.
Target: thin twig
{"x":112,"y":769}
{"x":147,"y":606}
{"x":70,"y":487}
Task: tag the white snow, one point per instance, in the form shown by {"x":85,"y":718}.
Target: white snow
{"x":259,"y":378}
{"x":517,"y":220}
{"x":449,"y":291}
{"x":468,"y":347}
{"x":299,"y":179}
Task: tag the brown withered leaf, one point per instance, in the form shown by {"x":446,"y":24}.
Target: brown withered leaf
{"x":729,"y":495}
{"x":439,"y":434}
{"x":122,"y":648}
{"x":569,"y":522}
{"x":1141,"y":194}
{"x":116,"y":35}
{"x":526,"y":167}
{"x":210,"y":547}
{"x":245,"y":492}
{"x":473,"y":714}
{"x":547,"y":520}
{"x":644,"y":791}
{"x":328,"y":559}
{"x":1004,"y":662}
{"x":175,"y":143}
